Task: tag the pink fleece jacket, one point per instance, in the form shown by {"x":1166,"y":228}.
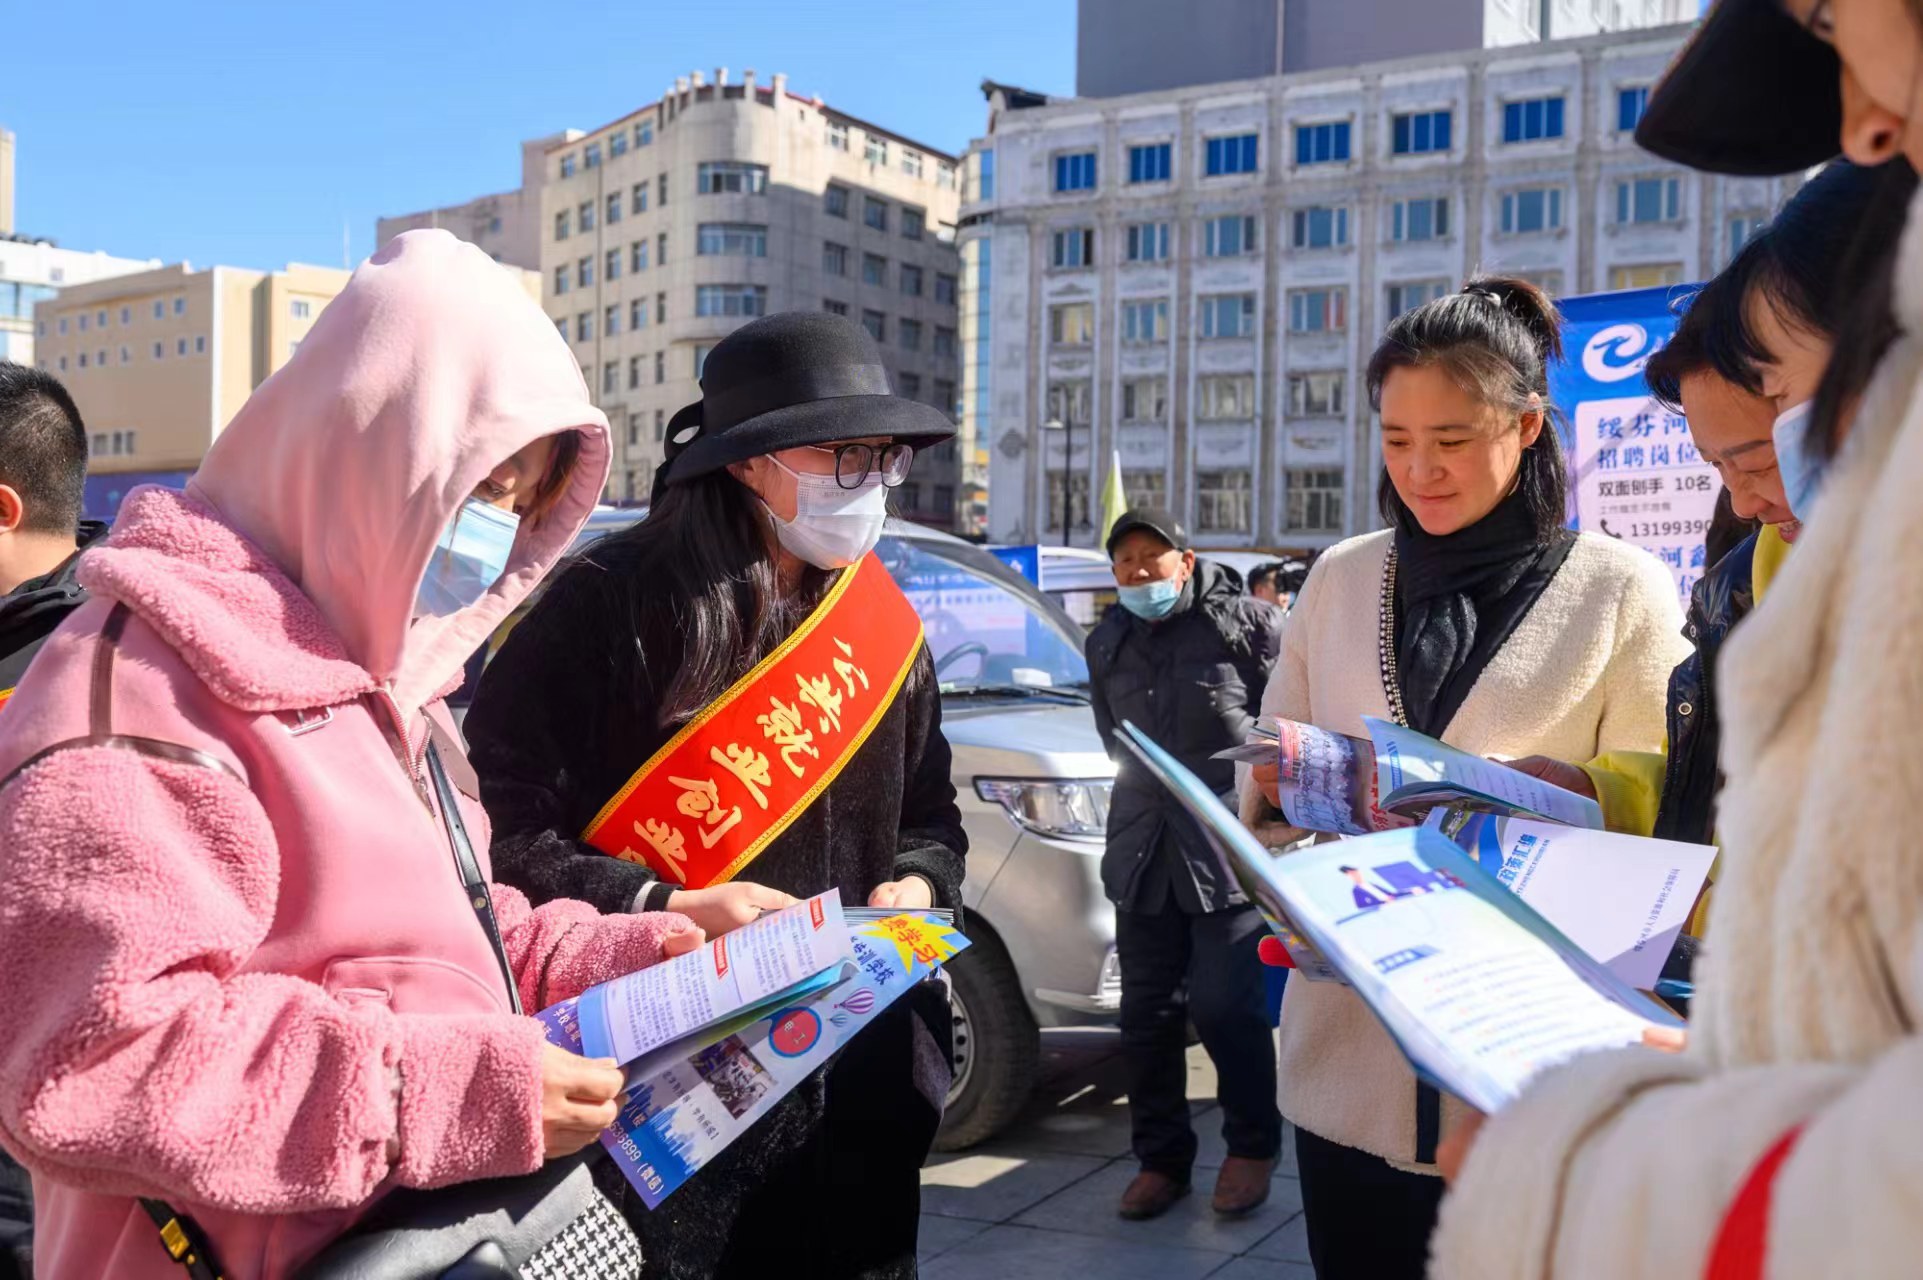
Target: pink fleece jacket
{"x":266,"y":1001}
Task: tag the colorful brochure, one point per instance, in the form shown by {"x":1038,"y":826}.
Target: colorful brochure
{"x":1478,"y":990}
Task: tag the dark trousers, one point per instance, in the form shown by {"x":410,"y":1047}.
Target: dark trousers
{"x":1367,"y":1219}
{"x":16,"y":1219}
{"x":1178,"y":968}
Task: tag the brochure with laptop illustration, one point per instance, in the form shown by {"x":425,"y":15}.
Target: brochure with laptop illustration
{"x":1479,"y":990}
{"x":691,"y":1097}
{"x":1343,"y":785}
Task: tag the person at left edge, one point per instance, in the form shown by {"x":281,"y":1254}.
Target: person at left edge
{"x":1184,"y":657}
{"x":43,"y":473}
{"x":770,"y":501}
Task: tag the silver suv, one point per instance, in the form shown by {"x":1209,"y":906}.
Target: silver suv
{"x":1033,"y":783}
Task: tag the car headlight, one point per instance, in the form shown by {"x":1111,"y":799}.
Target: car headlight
{"x":1072,"y":810}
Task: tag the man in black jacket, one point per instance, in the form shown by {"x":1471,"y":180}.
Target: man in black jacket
{"x":43,"y":472}
{"x":1185,"y":657}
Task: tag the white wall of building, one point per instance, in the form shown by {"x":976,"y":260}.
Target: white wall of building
{"x":32,"y":270}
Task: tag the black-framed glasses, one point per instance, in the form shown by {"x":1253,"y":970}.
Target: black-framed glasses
{"x":853,"y":462}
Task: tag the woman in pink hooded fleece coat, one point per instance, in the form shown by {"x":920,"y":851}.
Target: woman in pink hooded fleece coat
{"x":241,"y":972}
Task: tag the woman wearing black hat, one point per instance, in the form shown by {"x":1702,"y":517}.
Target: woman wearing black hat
{"x":741,"y":644}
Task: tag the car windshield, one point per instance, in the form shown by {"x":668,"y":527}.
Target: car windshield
{"x":985,"y":634}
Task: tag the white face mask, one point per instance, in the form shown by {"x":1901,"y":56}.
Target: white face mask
{"x":833,"y":527}
{"x":469,"y":557}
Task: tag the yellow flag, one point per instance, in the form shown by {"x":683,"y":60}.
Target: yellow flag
{"x":1114,"y":498}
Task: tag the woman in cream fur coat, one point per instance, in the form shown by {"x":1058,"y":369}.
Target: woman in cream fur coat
{"x":1571,"y":652}
{"x":1784,"y":1140}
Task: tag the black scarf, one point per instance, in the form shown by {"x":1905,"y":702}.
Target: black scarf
{"x":1458,"y":598}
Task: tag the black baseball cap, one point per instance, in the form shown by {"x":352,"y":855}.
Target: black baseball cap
{"x":1753,"y":94}
{"x":1156,"y":521}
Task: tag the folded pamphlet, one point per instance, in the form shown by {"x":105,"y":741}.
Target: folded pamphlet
{"x":691,"y":1095}
{"x":1342,"y":785}
{"x":1478,"y":990}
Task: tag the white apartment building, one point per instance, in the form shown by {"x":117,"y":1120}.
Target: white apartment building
{"x":1195,"y":279}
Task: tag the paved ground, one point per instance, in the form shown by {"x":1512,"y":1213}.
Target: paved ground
{"x":1040,"y":1200}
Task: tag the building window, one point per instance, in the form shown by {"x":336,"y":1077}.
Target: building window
{"x":1075,"y":171}
{"x":1322,"y":227}
{"x":1532,"y":210}
{"x":160,"y":350}
{"x":661,"y":308}
{"x":1145,"y":400}
{"x":584,"y":216}
{"x":1407,"y":297}
{"x":661,"y":250}
{"x":701,"y":361}
{"x":911,"y":280}
{"x":567,"y":165}
{"x":909,"y":334}
{"x":1077,"y":484}
{"x":1641,"y":200}
{"x":1145,"y":321}
{"x":1318,"y":310}
{"x":1532,"y":120}
{"x":1068,"y":402}
{"x":1222,"y":501}
{"x":661,"y":189}
{"x":611,"y":265}
{"x":584,"y":273}
{"x":730,"y":300}
{"x":945,"y":399}
{"x":834,"y":308}
{"x":1148,"y":242}
{"x":837,"y":135}
{"x":732,"y":239}
{"x":180,"y":306}
{"x":945,"y":176}
{"x":617,"y":144}
{"x":300,"y":308}
{"x":638,"y":201}
{"x":560,"y":280}
{"x":614,"y":207}
{"x":100,"y":318}
{"x":874,"y":269}
{"x":728,"y":177}
{"x":876,"y":324}
{"x":1151,"y":163}
{"x":875,"y":150}
{"x":1146,"y":488}
{"x":1228,"y":315}
{"x":1235,"y":154}
{"x":634,"y":382}
{"x":84,"y":319}
{"x":913,"y":222}
{"x":1419,"y":133}
{"x":660,"y":424}
{"x":1229,"y":237}
{"x":638,"y":256}
{"x":1630,"y":104}
{"x":911,"y":162}
{"x":834,"y":201}
{"x":126,"y":315}
{"x":1322,"y":143}
{"x":637,"y":315}
{"x":874,"y":213}
{"x":611,"y":321}
{"x":591,"y":155}
{"x":945,"y":286}
{"x":1074,"y":247}
{"x":908,"y":385}
{"x":1743,"y":228}
{"x":83,"y":355}
{"x":946,"y":346}
{"x":1315,"y":500}
{"x":200,"y":345}
{"x":610,"y":378}
{"x":985,"y":174}
{"x":1072,"y":324}
{"x":1225,"y":396}
{"x":1426,"y":219}
{"x":180,"y":348}
{"x":63,"y":326}
{"x":1317,"y":394}
{"x":1652,"y":275}
{"x":584,"y":327}
{"x":126,"y":355}
{"x":834,"y":258}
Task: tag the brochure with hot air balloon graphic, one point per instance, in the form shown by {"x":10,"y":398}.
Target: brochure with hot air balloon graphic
{"x":686,"y":1106}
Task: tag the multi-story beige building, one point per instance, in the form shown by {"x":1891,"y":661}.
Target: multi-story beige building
{"x":505,"y":224}
{"x":159,"y":361}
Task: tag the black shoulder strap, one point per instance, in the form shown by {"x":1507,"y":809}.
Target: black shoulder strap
{"x":182,"y":1241}
{"x":469,"y":867}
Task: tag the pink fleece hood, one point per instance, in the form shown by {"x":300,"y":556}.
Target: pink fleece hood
{"x":431,"y":368}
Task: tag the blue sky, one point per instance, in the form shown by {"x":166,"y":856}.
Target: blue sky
{"x":247,"y":134}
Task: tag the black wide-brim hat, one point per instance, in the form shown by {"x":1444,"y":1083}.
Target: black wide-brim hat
{"x":787,"y":380}
{"x":1753,"y":94}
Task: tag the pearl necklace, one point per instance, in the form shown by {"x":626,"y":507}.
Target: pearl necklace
{"x":1386,"y":641}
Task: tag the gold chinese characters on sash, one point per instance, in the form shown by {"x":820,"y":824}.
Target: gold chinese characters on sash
{"x":706,"y":804}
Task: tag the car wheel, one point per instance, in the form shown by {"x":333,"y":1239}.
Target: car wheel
{"x":998,"y":1048}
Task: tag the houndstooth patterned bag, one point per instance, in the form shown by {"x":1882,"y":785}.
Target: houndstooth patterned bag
{"x":598,"y":1245}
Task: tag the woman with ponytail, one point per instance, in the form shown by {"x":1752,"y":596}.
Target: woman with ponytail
{"x":1478,"y":618}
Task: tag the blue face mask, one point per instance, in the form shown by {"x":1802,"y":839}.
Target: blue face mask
{"x":1796,"y":459}
{"x":469,"y":557}
{"x":1151,"y":601}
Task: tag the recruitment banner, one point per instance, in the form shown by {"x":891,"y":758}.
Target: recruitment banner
{"x":1636,"y":474}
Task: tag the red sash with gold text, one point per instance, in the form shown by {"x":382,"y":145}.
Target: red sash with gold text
{"x":737,"y":775}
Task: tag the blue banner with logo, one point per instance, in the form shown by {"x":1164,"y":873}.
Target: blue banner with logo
{"x":1635,"y":474}
{"x":106,"y":490}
